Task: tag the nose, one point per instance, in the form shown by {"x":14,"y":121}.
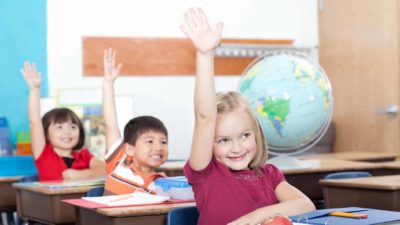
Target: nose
{"x":236,"y":147}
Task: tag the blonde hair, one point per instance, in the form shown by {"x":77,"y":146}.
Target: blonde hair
{"x":230,"y":101}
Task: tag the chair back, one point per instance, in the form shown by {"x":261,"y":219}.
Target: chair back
{"x":27,"y":179}
{"x":95,"y":192}
{"x":350,"y":174}
{"x":183,"y":216}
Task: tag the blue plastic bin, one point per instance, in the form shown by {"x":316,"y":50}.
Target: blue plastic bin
{"x":174,"y":187}
{"x":17,"y":166}
{"x":5,"y":138}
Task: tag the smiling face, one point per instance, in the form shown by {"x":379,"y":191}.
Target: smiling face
{"x":234,"y":143}
{"x":150,"y":150}
{"x":63,"y":136}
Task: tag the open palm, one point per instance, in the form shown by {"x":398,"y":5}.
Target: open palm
{"x":198,"y":30}
{"x":32,"y":77}
{"x":111,"y":71}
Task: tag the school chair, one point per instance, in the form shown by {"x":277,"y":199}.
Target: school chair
{"x":183,"y":216}
{"x":95,"y":192}
{"x":346,"y":175}
{"x":29,"y":179}
{"x":349,"y":174}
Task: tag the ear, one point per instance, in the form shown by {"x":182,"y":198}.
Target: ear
{"x":129,"y":149}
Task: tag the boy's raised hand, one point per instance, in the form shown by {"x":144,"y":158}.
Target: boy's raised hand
{"x":32,"y":77}
{"x":197,"y":29}
{"x":111,"y":72}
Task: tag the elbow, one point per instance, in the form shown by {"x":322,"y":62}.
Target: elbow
{"x":205,"y":118}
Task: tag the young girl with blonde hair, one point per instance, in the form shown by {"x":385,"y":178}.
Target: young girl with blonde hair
{"x":226,"y":166}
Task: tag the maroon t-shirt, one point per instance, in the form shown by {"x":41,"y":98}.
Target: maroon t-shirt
{"x":50,"y":165}
{"x":223,"y":195}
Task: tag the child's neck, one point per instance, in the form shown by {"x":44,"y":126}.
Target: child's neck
{"x":63,"y":152}
{"x":147,"y":171}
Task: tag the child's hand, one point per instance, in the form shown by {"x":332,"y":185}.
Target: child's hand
{"x":32,"y":77}
{"x":70,"y":174}
{"x":198,"y":30}
{"x":111,"y":72}
{"x":255,"y":217}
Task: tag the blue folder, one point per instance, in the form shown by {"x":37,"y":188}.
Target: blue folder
{"x":321,"y":217}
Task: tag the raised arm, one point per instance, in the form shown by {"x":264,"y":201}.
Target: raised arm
{"x":205,"y":41}
{"x":111,"y":72}
{"x":34,"y":79}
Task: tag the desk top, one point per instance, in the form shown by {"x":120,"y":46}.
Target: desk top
{"x":311,"y":166}
{"x":376,"y":182}
{"x":9,"y":179}
{"x":330,"y":165}
{"x":355,"y":156}
{"x":390,"y":165}
{"x":143,"y":210}
{"x":172,"y":165}
{"x":35,"y":187}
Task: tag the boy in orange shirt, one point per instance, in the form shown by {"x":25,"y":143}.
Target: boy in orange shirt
{"x":130,"y":161}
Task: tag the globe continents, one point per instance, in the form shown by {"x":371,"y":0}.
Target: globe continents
{"x":292,"y":98}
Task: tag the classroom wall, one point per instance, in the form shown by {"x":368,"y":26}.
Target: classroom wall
{"x":169,"y":97}
{"x":22,"y":37}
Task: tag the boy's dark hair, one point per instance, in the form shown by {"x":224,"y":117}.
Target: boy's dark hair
{"x":141,"y":124}
{"x":61,"y":115}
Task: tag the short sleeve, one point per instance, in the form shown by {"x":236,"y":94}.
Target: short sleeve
{"x":82,"y":159}
{"x":86,"y":156}
{"x":198,"y":176}
{"x":273,"y":174}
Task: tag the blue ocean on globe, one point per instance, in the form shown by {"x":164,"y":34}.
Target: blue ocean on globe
{"x":292,"y":97}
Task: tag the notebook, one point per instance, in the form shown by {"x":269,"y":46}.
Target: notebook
{"x":322,"y":217}
{"x":136,"y":198}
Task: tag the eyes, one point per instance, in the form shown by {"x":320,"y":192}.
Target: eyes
{"x":242,"y":137}
{"x":61,"y":126}
{"x":152,"y":141}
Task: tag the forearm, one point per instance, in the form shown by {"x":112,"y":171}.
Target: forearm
{"x":89,"y":173}
{"x":110,"y":113}
{"x":205,"y":112}
{"x":34,"y":107}
{"x":205,"y":98}
{"x":35,"y":122}
{"x":287,"y":208}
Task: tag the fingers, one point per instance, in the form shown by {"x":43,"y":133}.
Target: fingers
{"x":218,"y":30}
{"x":119,"y":68}
{"x":202,"y":16}
{"x":193,"y":19}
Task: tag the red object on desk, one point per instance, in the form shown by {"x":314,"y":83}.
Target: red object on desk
{"x":278,"y":220}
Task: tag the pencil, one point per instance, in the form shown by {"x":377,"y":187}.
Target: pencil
{"x":349,"y":215}
{"x":122,"y":198}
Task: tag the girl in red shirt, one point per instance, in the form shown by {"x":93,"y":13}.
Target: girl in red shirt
{"x":57,"y":138}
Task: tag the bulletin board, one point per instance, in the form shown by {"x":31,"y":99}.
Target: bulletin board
{"x":161,"y":56}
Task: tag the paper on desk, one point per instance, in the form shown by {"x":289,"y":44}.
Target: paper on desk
{"x":136,"y":198}
{"x":73,"y":183}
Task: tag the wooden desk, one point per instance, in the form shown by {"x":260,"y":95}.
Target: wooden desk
{"x":7,"y":194}
{"x":356,"y":156}
{"x":40,"y":204}
{"x":389,"y":168}
{"x":172,"y":168}
{"x":306,"y":179}
{"x":132,"y":215}
{"x":379,"y":192}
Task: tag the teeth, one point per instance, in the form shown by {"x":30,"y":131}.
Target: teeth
{"x":156,"y":156}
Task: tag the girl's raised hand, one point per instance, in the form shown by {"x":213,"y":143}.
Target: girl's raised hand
{"x":32,"y":77}
{"x":197,"y":29}
{"x":111,"y":72}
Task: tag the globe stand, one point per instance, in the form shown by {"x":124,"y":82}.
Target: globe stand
{"x":287,"y":162}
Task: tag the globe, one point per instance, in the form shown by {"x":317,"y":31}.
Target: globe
{"x":292,"y":98}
